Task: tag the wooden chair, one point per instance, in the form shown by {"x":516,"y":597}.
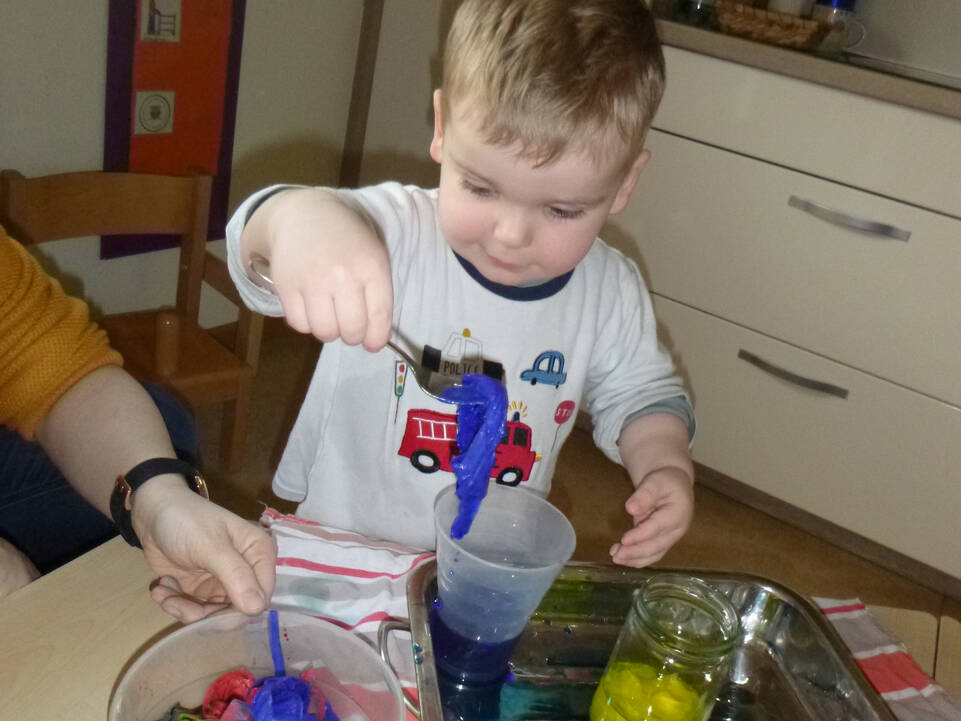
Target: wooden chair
{"x":166,"y":346}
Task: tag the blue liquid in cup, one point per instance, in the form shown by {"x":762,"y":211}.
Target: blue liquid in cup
{"x":465,"y":660}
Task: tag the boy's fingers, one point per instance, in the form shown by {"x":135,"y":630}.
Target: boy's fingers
{"x":640,"y":508}
{"x":649,"y":549}
{"x":351,"y":312}
{"x":648,"y":530}
{"x":321,"y":317}
{"x":380,"y":310}
{"x":295,"y":313}
{"x":638,"y":556}
{"x":647,"y":543}
{"x":642,"y":503}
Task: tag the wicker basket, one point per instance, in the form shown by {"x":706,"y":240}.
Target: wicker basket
{"x":767,"y":26}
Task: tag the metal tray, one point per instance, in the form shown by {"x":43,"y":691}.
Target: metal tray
{"x":791,"y":665}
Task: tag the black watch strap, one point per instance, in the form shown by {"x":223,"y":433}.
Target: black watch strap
{"x":120,"y":499}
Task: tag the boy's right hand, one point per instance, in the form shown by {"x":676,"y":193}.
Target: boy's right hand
{"x":328,"y":263}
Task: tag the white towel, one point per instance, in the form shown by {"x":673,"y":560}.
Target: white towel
{"x":348,"y":579}
{"x":908,"y":691}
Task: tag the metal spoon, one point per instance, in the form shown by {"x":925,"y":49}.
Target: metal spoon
{"x":433,"y":384}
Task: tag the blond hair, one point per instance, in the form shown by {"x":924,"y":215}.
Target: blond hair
{"x":555,"y":74}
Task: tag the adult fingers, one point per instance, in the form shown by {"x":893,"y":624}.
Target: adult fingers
{"x":167,"y":594}
{"x":237,"y":577}
{"x":260,"y":552}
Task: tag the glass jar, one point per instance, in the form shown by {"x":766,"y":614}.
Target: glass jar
{"x":672,"y":654}
{"x":699,"y":13}
{"x":845,"y":30}
{"x":801,"y":8}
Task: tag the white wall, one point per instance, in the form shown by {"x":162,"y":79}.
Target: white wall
{"x":400,"y":123}
{"x":923,"y":35}
{"x":295,"y":81}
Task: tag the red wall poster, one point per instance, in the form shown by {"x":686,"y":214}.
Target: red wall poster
{"x":173,"y":67}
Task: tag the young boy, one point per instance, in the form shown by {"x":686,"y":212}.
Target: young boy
{"x":538,"y":130}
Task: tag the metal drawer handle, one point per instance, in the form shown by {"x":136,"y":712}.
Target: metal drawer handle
{"x":786,"y":375}
{"x":852,"y":222}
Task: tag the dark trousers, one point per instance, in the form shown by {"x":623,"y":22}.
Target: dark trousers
{"x":43,"y":516}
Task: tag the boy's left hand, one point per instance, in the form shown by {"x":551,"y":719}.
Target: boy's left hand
{"x":662,"y":508}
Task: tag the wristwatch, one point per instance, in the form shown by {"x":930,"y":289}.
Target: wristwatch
{"x":120,"y":499}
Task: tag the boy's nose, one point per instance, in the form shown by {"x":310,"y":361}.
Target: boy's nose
{"x":511,"y":229}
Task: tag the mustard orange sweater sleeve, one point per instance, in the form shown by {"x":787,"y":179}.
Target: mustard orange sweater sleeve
{"x":47,"y":340}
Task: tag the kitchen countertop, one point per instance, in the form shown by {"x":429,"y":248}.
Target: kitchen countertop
{"x":805,"y":66}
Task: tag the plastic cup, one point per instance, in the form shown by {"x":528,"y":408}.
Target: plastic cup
{"x":490,"y":581}
{"x":178,"y":668}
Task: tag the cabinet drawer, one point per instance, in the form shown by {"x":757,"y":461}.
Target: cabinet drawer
{"x":883,"y":462}
{"x":717,"y":231}
{"x":881,"y":147}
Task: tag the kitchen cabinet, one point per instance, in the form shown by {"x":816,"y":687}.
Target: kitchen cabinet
{"x":803,"y":246}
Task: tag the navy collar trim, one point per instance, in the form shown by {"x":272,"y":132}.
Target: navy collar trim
{"x":514,"y":292}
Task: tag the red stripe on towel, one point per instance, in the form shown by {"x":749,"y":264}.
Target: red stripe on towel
{"x":847,"y":608}
{"x":344,"y":571}
{"x":897,"y":671}
{"x":276,"y":515}
{"x":378,"y":616}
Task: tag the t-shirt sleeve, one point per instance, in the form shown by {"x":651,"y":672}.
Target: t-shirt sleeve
{"x":47,"y":340}
{"x":631,"y":370}
{"x":255,"y":297}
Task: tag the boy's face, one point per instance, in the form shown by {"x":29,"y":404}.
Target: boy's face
{"x":517,"y":223}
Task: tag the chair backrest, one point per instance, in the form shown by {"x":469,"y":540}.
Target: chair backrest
{"x":71,"y":205}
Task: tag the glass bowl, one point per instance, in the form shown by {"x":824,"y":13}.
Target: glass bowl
{"x":179,"y":667}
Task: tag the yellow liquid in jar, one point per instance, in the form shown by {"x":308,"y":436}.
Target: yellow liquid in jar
{"x":637,"y":692}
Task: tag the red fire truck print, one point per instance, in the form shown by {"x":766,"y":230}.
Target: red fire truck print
{"x":430,"y":441}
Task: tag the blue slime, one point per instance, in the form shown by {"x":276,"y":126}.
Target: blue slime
{"x":282,"y":697}
{"x":481,"y":419}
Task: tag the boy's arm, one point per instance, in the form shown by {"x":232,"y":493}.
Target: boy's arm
{"x":654,"y":449}
{"x":328,"y":263}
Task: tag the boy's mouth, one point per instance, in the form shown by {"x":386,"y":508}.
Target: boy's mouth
{"x":497,"y":263}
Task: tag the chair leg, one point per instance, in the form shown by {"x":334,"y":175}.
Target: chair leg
{"x":233,"y":439}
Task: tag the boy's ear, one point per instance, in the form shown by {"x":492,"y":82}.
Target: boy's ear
{"x":630,"y":180}
{"x":437,"y":143}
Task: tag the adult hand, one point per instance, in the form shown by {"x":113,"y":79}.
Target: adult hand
{"x":205,"y":557}
{"x":661,"y":509}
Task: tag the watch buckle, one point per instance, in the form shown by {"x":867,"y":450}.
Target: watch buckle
{"x":124,"y":489}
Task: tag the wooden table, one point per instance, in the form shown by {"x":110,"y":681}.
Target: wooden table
{"x":66,"y":638}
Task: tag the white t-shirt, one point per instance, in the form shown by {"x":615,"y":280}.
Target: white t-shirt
{"x":369,"y":450}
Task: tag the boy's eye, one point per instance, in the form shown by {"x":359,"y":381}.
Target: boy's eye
{"x":479,"y":190}
{"x":564,"y":213}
